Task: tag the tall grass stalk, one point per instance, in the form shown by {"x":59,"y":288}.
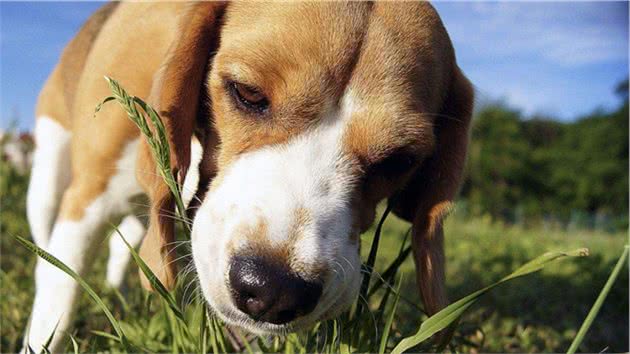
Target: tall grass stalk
{"x":588,"y":321}
{"x":88,"y":289}
{"x":156,"y":138}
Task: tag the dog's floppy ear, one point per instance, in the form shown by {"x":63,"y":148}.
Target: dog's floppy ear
{"x":176,"y":94}
{"x":428,"y":197}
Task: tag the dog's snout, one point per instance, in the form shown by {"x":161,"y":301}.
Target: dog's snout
{"x":269,"y":292}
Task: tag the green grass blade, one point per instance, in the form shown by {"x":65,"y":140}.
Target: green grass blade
{"x":218,"y":333}
{"x":248,"y":347}
{"x":598,"y":303}
{"x":105,"y":335}
{"x":213,"y":338}
{"x":153,"y":279}
{"x":164,"y":153}
{"x":390,"y":319}
{"x":373,"y":250}
{"x":121,"y":298}
{"x":451,"y":313}
{"x":262,"y":345}
{"x":356,"y":313}
{"x":49,"y":340}
{"x":390,"y":271}
{"x":61,"y":266}
{"x":158,"y":140}
{"x":203,"y":331}
{"x":100,"y":105}
{"x":344,"y":348}
{"x":75,"y":345}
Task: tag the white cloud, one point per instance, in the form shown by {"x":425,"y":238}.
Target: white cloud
{"x":556,"y":58}
{"x":563,"y":33}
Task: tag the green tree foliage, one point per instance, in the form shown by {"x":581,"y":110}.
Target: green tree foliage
{"x":541,"y":168}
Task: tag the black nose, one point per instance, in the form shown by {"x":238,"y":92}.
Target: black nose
{"x":267,"y":291}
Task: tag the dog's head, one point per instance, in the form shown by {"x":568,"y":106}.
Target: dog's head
{"x":309,"y":115}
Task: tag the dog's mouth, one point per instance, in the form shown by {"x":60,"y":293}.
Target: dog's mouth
{"x":233,"y":316}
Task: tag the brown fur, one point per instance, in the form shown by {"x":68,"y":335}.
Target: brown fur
{"x":395,"y":57}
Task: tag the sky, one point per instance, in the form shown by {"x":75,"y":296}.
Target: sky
{"x":558,"y":59}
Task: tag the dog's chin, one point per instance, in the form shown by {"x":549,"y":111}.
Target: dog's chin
{"x":241,"y":320}
{"x":234,"y":318}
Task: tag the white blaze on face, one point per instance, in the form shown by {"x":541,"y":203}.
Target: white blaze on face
{"x":269,"y":185}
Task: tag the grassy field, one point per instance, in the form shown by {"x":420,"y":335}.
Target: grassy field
{"x":538,"y":313}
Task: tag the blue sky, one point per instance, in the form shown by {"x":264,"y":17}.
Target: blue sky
{"x":561,"y":59}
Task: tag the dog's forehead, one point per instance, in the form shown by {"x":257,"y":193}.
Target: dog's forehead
{"x":382,"y":61}
{"x":292,"y":47}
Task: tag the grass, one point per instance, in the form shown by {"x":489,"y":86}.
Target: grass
{"x":537,"y":313}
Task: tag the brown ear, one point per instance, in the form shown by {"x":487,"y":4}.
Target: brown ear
{"x":176,"y":95}
{"x":428,"y":197}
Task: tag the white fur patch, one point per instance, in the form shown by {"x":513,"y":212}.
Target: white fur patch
{"x":310,"y":172}
{"x":74,"y":242}
{"x":50,"y":176}
{"x":119,"y":256}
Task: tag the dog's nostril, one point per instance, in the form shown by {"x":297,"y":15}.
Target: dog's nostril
{"x":255,"y":307}
{"x":267,"y":291}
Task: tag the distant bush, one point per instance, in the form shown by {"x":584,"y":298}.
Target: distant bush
{"x":539,"y":169}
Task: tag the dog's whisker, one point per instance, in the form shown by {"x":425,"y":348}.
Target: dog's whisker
{"x":343,"y":270}
{"x":177,"y":218}
{"x":186,"y":270}
{"x":173,"y":217}
{"x":349,"y":263}
{"x":174,"y":249}
{"x":178,"y":242}
{"x":174,"y":261}
{"x":186,"y":295}
{"x":196,"y":295}
{"x":367,"y":306}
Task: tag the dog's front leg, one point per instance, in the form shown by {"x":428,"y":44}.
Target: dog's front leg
{"x":75,"y":237}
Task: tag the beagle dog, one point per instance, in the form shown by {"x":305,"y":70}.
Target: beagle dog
{"x":288,"y":123}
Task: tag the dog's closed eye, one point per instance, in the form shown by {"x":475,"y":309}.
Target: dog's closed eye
{"x":247,"y":98}
{"x":395,"y":164}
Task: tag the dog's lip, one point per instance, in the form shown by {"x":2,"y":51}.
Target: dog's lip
{"x":237,"y":318}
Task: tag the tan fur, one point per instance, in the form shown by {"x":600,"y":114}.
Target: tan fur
{"x":395,"y":58}
{"x":57,"y":96}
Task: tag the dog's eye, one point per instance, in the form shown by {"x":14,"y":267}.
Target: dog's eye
{"x":248,"y":98}
{"x":395,"y":164}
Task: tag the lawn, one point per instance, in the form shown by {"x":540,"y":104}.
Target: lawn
{"x":540,"y":312}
